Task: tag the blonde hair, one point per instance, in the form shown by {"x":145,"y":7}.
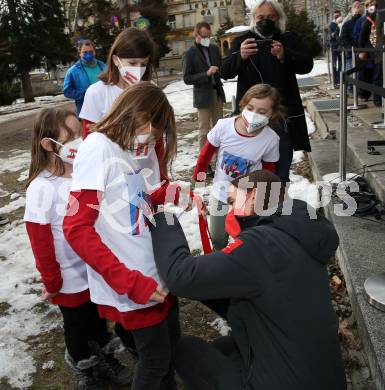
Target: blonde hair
{"x":282,"y":19}
{"x":138,"y":105}
{"x":48,"y":124}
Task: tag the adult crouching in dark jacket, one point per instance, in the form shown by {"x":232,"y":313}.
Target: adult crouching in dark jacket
{"x":276,"y":65}
{"x":284,"y":329}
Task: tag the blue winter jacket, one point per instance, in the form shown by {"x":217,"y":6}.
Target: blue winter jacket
{"x":76,"y":83}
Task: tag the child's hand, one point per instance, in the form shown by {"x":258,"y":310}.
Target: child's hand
{"x":159,"y":295}
{"x":47,"y":296}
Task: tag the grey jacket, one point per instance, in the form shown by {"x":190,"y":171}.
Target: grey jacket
{"x":195,"y":73}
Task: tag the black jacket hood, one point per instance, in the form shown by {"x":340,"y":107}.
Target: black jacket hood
{"x":312,"y":231}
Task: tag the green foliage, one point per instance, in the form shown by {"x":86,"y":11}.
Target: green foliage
{"x":97,"y":17}
{"x":9,"y":92}
{"x":300,"y":23}
{"x":156,"y":12}
{"x":32,"y":33}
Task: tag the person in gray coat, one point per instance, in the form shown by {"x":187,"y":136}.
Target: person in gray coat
{"x":201,"y":68}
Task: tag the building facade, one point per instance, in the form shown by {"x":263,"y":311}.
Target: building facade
{"x":183,"y":16}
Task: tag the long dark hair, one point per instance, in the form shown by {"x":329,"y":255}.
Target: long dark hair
{"x":48,"y":124}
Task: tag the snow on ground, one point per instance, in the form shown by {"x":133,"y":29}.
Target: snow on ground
{"x":22,"y":321}
{"x":12,"y":206}
{"x":17,"y":160}
{"x":180,"y":96}
{"x":320,"y":67}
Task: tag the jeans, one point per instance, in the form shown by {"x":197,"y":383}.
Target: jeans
{"x":218,"y":212}
{"x":81,"y":325}
{"x":204,"y":366}
{"x":377,"y":80}
{"x":336,"y":66}
{"x":155,"y":346}
{"x":349,"y":65}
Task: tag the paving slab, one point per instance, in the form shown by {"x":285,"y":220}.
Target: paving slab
{"x":362,"y":241}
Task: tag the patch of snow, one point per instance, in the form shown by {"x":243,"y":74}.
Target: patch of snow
{"x":310,"y":124}
{"x":237,"y":29}
{"x":48,"y":365}
{"x":221,"y":325}
{"x":298,"y":156}
{"x":180,"y":96}
{"x":23,"y":175}
{"x":14,"y":196}
{"x":15,"y":162}
{"x":320,"y":67}
{"x":301,"y":188}
{"x":16,"y":361}
{"x":12,"y":206}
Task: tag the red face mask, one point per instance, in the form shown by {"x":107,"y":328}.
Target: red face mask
{"x":232,"y":226}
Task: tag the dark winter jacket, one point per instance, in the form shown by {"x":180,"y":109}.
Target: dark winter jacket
{"x":76,"y":83}
{"x":347,"y":34}
{"x":195,"y":69}
{"x":265,"y":68}
{"x":280,"y":307}
{"x":334,"y":32}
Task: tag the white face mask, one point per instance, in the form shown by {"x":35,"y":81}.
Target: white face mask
{"x":142,"y":146}
{"x":205,"y":42}
{"x":136,"y":72}
{"x":254,"y":121}
{"x":372,"y":9}
{"x":68,"y":150}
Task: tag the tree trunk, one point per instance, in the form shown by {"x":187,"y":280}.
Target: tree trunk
{"x":27,"y":87}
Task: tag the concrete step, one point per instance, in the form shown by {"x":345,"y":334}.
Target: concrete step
{"x":362,"y":241}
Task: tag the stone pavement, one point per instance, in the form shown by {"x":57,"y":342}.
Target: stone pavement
{"x":362,"y":241}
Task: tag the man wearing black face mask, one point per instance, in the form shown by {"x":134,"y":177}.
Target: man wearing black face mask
{"x":274,"y":61}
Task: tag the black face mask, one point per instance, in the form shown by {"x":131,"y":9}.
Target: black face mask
{"x":266,"y":27}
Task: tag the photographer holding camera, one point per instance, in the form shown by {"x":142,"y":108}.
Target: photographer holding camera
{"x":268,"y":54}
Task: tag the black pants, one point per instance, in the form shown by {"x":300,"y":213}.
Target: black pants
{"x":336,"y":65}
{"x":285,"y":154}
{"x":204,"y":366}
{"x":81,"y":325}
{"x":155,"y":346}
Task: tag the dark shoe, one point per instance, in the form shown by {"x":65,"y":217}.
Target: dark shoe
{"x":3,"y":221}
{"x":85,"y":373}
{"x":210,"y":172}
{"x":377,"y":103}
{"x":109,"y":368}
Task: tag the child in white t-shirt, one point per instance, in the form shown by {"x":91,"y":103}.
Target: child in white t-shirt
{"x":130,"y":60}
{"x":56,"y":137}
{"x":108,"y":226}
{"x":244,"y":143}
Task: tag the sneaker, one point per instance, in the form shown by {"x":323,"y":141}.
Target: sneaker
{"x":3,"y":221}
{"x":110,"y":368}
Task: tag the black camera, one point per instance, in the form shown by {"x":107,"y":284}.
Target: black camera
{"x":264,"y":45}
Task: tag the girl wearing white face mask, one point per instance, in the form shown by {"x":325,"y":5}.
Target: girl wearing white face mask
{"x":56,"y":138}
{"x":244,"y":143}
{"x":113,"y":236}
{"x":130,"y":60}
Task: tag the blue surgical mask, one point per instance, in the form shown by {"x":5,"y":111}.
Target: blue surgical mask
{"x":88,"y":56}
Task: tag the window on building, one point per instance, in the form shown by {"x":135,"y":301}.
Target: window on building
{"x":187,"y":20}
{"x":223,"y":15}
{"x":172,"y":22}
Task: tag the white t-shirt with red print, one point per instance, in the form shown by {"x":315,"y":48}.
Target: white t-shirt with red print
{"x":239,"y":154}
{"x":46,"y":203}
{"x":102,"y":165}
